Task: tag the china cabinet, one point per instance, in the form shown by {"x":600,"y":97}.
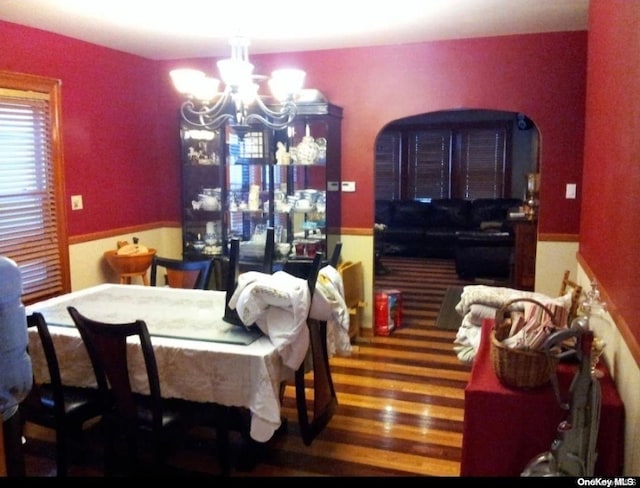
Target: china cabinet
{"x":236,"y":184}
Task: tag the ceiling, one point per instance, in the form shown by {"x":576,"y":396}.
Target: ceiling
{"x":202,"y":28}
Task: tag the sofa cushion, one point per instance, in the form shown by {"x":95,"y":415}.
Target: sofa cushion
{"x":450,"y":212}
{"x":383,"y":211}
{"x":410,"y":213}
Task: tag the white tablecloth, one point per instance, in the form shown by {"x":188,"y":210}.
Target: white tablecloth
{"x":199,"y":370}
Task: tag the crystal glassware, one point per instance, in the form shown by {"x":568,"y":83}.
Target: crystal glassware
{"x":597,"y":348}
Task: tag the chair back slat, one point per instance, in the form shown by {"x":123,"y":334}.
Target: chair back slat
{"x":37,"y":320}
{"x":269,"y":249}
{"x":335,"y":255}
{"x":194,"y":274}
{"x":231,"y":315}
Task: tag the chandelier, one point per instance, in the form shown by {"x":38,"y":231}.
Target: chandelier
{"x":238,"y":104}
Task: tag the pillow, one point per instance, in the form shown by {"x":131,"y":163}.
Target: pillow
{"x":490,"y":225}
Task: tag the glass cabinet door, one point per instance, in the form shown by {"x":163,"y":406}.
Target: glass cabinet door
{"x":202,"y":191}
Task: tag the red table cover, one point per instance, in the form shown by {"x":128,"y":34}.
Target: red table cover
{"x":505,"y":428}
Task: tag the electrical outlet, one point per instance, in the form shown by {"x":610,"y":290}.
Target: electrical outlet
{"x":76,"y":202}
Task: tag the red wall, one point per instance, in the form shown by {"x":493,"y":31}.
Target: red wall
{"x":540,"y":75}
{"x":611,"y":202}
{"x":116,"y":154}
{"x":120,"y":113}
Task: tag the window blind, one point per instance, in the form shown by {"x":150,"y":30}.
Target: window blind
{"x":28,"y":217}
{"x":444,"y":162}
{"x":482,"y":163}
{"x":429,"y":164}
{"x":388,"y":167}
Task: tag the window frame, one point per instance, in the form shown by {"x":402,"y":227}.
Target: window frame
{"x":51,"y":88}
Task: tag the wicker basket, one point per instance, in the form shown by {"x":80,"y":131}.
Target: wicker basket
{"x":515,"y":367}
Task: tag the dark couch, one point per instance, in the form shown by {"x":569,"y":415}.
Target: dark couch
{"x":476,"y":233}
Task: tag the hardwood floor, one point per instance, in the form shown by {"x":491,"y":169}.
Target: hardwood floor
{"x":401,"y":403}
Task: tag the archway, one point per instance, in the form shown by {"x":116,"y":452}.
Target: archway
{"x":521,"y":155}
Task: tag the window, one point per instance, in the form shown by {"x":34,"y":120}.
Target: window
{"x":32,"y":217}
{"x":388,"y":165}
{"x":457,"y":161}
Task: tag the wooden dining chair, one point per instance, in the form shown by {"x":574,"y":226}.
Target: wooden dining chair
{"x":182,"y":273}
{"x":335,"y":255}
{"x":269,"y":251}
{"x":576,"y":292}
{"x":302,"y":267}
{"x":133,"y":414}
{"x":233,"y":270}
{"x":62,"y":408}
{"x":325,"y":401}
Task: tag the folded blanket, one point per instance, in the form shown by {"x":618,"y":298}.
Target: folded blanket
{"x":478,"y":312}
{"x":483,"y":301}
{"x":496,"y":296}
{"x":278,"y":304}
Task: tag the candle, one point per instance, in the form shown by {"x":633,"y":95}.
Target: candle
{"x":210,"y":227}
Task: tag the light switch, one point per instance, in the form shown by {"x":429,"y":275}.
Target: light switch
{"x":349,"y":186}
{"x":76,"y":202}
{"x":571,"y":191}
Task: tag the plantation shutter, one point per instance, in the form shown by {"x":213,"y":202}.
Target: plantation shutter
{"x":387,"y":168}
{"x":482,"y":163}
{"x":28,"y":217}
{"x":429,"y":164}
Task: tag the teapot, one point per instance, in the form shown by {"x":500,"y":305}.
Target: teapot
{"x":210,"y":199}
{"x":306,"y":152}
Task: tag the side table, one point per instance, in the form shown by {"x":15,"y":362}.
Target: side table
{"x":505,"y":428}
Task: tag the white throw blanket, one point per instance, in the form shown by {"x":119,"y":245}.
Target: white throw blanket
{"x":478,"y":302}
{"x":278,"y":304}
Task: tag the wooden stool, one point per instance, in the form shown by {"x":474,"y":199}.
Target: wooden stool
{"x":129,"y":266}
{"x":125,"y":278}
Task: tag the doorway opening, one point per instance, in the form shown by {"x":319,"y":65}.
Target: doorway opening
{"x":453,"y":160}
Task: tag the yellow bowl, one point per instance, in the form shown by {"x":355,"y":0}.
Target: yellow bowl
{"x":129,"y":263}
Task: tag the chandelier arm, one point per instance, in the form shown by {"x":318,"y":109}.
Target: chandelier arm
{"x":281,"y":123}
{"x":213,"y":110}
{"x":215,"y":116}
{"x":200,"y":120}
{"x":207,"y":117}
{"x":288,"y":107}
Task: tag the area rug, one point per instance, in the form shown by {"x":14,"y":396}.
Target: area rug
{"x":448,"y":318}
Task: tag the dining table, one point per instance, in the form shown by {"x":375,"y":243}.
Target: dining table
{"x":200,"y":357}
